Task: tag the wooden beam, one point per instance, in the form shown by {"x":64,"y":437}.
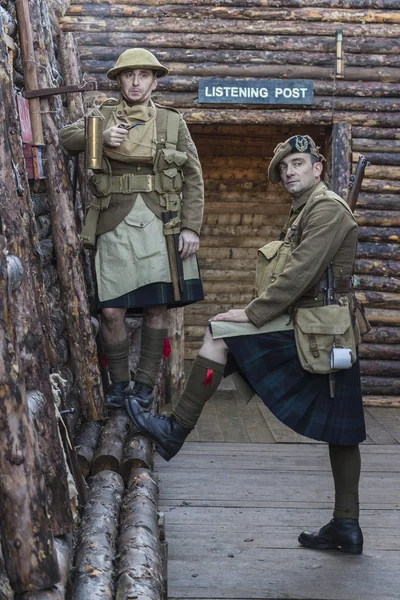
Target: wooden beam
{"x":68,"y":248}
{"x":235,"y":26}
{"x":112,"y":44}
{"x":29,"y":61}
{"x":27,"y":540}
{"x":314,"y":14}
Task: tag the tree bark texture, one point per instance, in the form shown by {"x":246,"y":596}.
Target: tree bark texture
{"x":175,"y":375}
{"x":341,"y":158}
{"x":270,"y":13}
{"x":380,"y":385}
{"x":72,"y":75}
{"x":138,"y":453}
{"x":86,"y":443}
{"x":376,"y":133}
{"x":28,"y":59}
{"x":111,"y":44}
{"x":371,"y":201}
{"x":63,"y":546}
{"x":68,"y":247}
{"x":32,"y":322}
{"x":57,"y":487}
{"x":139,"y":567}
{"x":93,"y":572}
{"x":102,"y":62}
{"x":6,"y":592}
{"x":27,"y":540}
{"x":389,"y":352}
{"x":109,"y":453}
{"x":359,"y":4}
{"x":378,"y":267}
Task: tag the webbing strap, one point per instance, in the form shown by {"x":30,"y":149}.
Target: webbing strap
{"x":129,"y":183}
{"x":172,"y":130}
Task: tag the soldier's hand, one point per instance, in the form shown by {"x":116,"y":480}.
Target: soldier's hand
{"x":189,"y":243}
{"x":114,"y":136}
{"x":237,"y":315}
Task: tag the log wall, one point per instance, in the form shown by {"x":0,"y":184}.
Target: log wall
{"x":272,"y":39}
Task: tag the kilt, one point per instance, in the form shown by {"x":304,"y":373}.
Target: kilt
{"x":301,"y":400}
{"x":156,"y":294}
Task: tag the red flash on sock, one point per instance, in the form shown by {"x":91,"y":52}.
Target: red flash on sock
{"x":167,"y":348}
{"x":208,"y":380}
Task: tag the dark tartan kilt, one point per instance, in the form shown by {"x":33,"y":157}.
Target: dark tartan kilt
{"x":156,"y":294}
{"x":301,"y":400}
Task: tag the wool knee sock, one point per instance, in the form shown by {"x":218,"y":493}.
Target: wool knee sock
{"x":203,"y":381}
{"x":151,"y":353}
{"x":346,"y":467}
{"x":117,"y":356}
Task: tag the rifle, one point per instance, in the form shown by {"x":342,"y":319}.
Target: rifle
{"x":171,"y":231}
{"x":330,"y":299}
{"x":354,"y":190}
{"x":356,"y":181}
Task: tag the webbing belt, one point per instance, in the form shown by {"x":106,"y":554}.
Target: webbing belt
{"x":129,"y":182}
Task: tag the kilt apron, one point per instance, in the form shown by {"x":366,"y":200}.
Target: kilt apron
{"x":268,"y":362}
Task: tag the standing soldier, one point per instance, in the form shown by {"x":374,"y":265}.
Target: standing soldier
{"x":146,"y":220}
{"x":303,"y":284}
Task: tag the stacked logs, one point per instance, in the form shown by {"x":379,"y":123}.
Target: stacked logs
{"x":111,"y":560}
{"x":377,"y":267}
{"x":252,"y":39}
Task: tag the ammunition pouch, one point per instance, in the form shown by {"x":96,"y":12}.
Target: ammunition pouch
{"x":318,"y":330}
{"x":168,"y":175}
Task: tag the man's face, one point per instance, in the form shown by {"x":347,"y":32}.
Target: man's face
{"x":298,"y":174}
{"x":137,"y":85}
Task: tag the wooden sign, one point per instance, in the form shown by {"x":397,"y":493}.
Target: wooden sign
{"x":256,"y":91}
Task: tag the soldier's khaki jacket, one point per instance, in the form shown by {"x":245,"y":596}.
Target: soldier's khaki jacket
{"x":326,"y":231}
{"x":73,"y":140}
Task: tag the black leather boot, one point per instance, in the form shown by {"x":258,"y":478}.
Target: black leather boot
{"x":118,"y":391}
{"x":143,"y":394}
{"x":167,"y":434}
{"x":340,"y":534}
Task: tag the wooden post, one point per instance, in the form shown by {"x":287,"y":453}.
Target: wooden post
{"x":111,"y":446}
{"x":175,"y":376}
{"x":86,"y":443}
{"x":138,"y":453}
{"x":67,"y":247}
{"x":27,"y":540}
{"x":341,"y":158}
{"x":57,"y":592}
{"x":93,"y":573}
{"x":32,"y":322}
{"x":139,"y":569}
{"x":29,"y":62}
{"x":71,"y":73}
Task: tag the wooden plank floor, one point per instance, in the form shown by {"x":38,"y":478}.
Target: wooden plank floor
{"x":242,"y":489}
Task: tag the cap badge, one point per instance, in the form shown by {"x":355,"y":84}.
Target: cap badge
{"x":301,"y":143}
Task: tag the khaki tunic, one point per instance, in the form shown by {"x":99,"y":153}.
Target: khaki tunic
{"x":326,"y":232}
{"x":131,"y":248}
{"x":192,"y":207}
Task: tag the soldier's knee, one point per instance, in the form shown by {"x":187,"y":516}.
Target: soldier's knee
{"x":111,"y":316}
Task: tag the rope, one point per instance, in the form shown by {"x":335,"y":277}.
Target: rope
{"x":57,"y":387}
